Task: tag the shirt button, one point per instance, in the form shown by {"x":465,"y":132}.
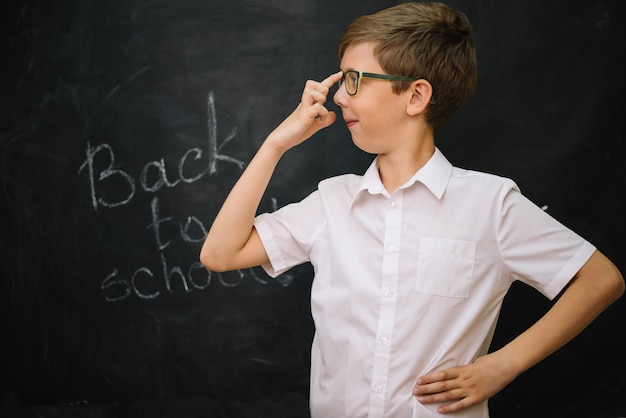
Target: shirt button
{"x":388,"y":292}
{"x":394,"y":204}
{"x":378,"y":388}
{"x":384,"y":340}
{"x":392,"y":248}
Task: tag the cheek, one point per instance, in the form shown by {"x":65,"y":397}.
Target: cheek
{"x":376,"y":119}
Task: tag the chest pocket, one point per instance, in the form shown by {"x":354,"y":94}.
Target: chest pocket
{"x":445,"y":267}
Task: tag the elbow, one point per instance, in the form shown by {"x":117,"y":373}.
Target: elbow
{"x":211,"y":259}
{"x":620,"y":286}
{"x":220,"y":255}
{"x":614,"y":285}
{"x":601,"y":280}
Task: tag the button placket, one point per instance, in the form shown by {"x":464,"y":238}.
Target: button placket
{"x":389,"y":284}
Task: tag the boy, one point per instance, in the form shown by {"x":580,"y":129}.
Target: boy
{"x":412,"y":259}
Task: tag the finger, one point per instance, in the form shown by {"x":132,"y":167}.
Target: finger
{"x":316,"y":88}
{"x":314,"y":93}
{"x":447,"y":394}
{"x":328,"y":119}
{"x":320,"y":110}
{"x":438,"y":376}
{"x":436,"y":387}
{"x":324,"y":116}
{"x":453,"y":407}
{"x":437,"y":382}
{"x":318,"y":97}
{"x":332,"y":79}
{"x":313,"y":85}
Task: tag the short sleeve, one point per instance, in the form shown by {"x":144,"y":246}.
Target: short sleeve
{"x":289,"y":233}
{"x":536,"y":248}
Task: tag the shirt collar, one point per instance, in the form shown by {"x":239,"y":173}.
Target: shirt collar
{"x":435,"y":175}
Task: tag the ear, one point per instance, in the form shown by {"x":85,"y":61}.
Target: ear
{"x":421,"y":94}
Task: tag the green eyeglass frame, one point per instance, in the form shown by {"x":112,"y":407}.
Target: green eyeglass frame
{"x":352,"y":87}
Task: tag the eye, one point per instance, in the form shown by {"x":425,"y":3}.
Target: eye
{"x":353,"y":77}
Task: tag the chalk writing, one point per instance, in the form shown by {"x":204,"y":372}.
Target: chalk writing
{"x":97,"y":176}
{"x":103,"y":172}
{"x":214,"y":150}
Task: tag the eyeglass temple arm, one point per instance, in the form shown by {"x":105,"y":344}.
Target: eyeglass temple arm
{"x":393,"y":78}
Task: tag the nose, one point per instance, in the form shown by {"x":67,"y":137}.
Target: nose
{"x":340,"y":96}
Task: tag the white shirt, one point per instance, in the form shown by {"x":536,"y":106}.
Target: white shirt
{"x":411,"y":282}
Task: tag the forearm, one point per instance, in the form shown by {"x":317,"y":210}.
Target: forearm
{"x":233,"y":225}
{"x":594,"y":288}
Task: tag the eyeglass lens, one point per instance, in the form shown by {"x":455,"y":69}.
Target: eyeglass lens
{"x":352,"y":82}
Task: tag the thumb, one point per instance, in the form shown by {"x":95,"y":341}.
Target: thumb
{"x":327,"y":119}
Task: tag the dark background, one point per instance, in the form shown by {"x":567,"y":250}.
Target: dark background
{"x":125,"y":124}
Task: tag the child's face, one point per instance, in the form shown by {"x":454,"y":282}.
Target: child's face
{"x":375,"y":116}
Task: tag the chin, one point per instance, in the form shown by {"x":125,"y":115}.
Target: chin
{"x":365,"y":146}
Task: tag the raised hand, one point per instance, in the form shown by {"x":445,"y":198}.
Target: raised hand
{"x":310,"y":116}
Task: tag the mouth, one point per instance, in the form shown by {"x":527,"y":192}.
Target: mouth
{"x":350,"y":122}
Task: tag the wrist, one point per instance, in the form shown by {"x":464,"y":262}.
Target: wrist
{"x":517,"y":361}
{"x":272,"y":149}
{"x":274,"y":145}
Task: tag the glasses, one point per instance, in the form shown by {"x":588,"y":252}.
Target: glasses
{"x":352,"y":80}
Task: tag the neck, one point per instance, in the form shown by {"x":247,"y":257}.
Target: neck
{"x":396,"y":168}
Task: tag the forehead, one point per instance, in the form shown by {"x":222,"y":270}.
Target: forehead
{"x":360,"y":57}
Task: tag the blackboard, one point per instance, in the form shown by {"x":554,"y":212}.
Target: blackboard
{"x":124,"y":126}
